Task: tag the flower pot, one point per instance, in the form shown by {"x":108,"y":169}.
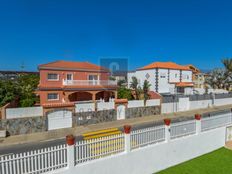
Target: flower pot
{"x":70,"y":140}
{"x":127,"y":129}
{"x":167,"y":121}
{"x":197,"y":116}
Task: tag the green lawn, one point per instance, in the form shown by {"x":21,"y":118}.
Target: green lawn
{"x":219,"y":161}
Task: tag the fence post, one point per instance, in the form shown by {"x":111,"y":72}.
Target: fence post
{"x":167,"y":123}
{"x":127,"y":130}
{"x":70,"y":140}
{"x":198,"y":123}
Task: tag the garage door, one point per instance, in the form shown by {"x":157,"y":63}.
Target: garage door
{"x":59,"y":119}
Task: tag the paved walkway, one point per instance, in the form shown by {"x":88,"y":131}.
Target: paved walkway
{"x":228,"y":145}
{"x":77,"y":131}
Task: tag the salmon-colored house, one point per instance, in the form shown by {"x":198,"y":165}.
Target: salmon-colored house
{"x":64,"y":82}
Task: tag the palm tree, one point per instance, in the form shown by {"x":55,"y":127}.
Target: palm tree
{"x":227,"y":64}
{"x":218,"y":78}
{"x":135,"y":86}
{"x":146,"y":88}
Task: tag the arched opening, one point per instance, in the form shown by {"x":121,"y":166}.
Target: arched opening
{"x":105,"y":95}
{"x":80,"y":96}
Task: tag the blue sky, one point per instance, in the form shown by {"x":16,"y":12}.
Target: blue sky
{"x":183,"y":31}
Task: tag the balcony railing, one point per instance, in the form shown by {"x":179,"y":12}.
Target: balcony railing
{"x":89,"y":82}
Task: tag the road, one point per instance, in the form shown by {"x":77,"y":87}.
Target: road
{"x":20,"y":148}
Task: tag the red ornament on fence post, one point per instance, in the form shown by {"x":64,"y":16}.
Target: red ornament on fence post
{"x":198,"y":116}
{"x":127,"y":129}
{"x":70,"y":140}
{"x":167,"y":121}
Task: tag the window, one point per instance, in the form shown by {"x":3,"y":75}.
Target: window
{"x":69,"y":77}
{"x":162,"y":75}
{"x":175,"y":75}
{"x":53,"y":96}
{"x":53,"y":76}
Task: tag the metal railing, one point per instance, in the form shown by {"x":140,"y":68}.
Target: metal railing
{"x":143,"y":137}
{"x":182,"y":129}
{"x":34,"y":162}
{"x":92,"y":149}
{"x":216,"y":121}
{"x":89,"y":82}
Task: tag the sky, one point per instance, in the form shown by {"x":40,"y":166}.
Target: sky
{"x":34,"y":32}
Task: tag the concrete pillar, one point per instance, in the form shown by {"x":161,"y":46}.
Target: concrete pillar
{"x":167,"y":123}
{"x":198,"y":123}
{"x":127,"y":131}
{"x":70,"y":140}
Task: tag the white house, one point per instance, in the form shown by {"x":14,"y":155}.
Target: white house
{"x":165,"y":77}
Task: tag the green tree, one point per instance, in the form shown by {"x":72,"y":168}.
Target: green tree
{"x":124,"y":93}
{"x":8,"y":91}
{"x":227,"y":62}
{"x":218,"y":78}
{"x":121,"y":83}
{"x":28,"y":85}
{"x":135,"y":86}
{"x":146,"y":88}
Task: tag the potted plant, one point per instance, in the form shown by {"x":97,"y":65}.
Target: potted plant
{"x":127,"y":129}
{"x":167,"y":121}
{"x":70,"y":139}
{"x":197,"y":116}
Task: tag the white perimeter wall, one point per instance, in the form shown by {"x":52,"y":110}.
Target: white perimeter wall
{"x":200,"y":104}
{"x":156,"y":157}
{"x":105,"y":105}
{"x":84,"y":107}
{"x":153,"y":102}
{"x":24,"y":112}
{"x":223,"y":101}
{"x":135,"y":103}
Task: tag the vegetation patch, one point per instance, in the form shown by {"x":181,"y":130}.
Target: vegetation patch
{"x":216,"y":162}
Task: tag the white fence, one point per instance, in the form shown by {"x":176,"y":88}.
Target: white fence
{"x":98,"y":148}
{"x":153,"y":102}
{"x":135,"y":103}
{"x":161,"y":139}
{"x":143,"y":137}
{"x":23,"y":112}
{"x":34,"y":162}
{"x":105,"y":105}
{"x":84,"y":107}
{"x":216,"y":121}
{"x":181,"y":129}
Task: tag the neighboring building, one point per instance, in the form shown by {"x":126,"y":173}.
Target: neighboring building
{"x":63,"y":82}
{"x":198,"y":77}
{"x":165,"y":77}
{"x":12,"y":75}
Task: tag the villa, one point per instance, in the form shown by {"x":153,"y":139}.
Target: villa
{"x":165,"y":77}
{"x":64,"y":82}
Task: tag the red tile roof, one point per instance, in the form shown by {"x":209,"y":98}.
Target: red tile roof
{"x":165,"y":65}
{"x":72,"y":65}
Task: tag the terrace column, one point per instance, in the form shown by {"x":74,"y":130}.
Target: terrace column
{"x":198,"y":123}
{"x":70,"y":140}
{"x":127,"y":131}
{"x":167,"y":123}
{"x":94,"y":100}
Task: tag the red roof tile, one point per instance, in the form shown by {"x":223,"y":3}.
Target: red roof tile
{"x":72,"y":65}
{"x":165,"y":65}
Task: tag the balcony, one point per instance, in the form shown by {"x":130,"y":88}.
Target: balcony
{"x":89,"y":83}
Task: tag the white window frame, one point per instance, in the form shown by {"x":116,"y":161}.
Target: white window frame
{"x":58,"y":77}
{"x":58,"y":97}
{"x":69,"y":74}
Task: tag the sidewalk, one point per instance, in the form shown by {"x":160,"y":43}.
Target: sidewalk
{"x":78,"y":131}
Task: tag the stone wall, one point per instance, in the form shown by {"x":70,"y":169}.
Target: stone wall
{"x":85,"y":118}
{"x":24,"y":125}
{"x":142,"y":111}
